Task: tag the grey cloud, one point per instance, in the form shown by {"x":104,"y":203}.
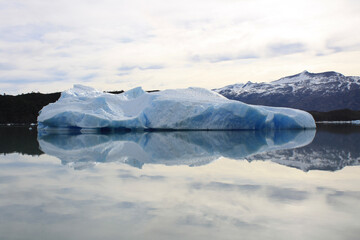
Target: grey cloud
{"x":123,"y":74}
{"x":127,"y":176}
{"x":121,"y":171}
{"x":43,"y":213}
{"x":232,"y":58}
{"x":7,"y":179}
{"x":226,"y":187}
{"x":25,"y":49}
{"x":127,"y":68}
{"x":23,"y":80}
{"x":89,"y":77}
{"x":337,"y":198}
{"x":25,"y":213}
{"x":60,"y":54}
{"x":56,"y":72}
{"x":335,"y":46}
{"x":195,"y":58}
{"x":286,"y":48}
{"x":223,"y":57}
{"x":157,"y":177}
{"x":126,"y":205}
{"x":272,"y":192}
{"x":126,"y":40}
{"x":24,"y":165}
{"x":6,"y":66}
{"x":64,"y":190}
{"x":208,"y":220}
{"x":195,"y":220}
{"x":195,"y":23}
{"x":141,"y":207}
{"x":143,"y":68}
{"x":151,"y":67}
{"x":24,"y":33}
{"x":286,"y":194}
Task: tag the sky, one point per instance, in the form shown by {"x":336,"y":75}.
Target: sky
{"x":48,"y":46}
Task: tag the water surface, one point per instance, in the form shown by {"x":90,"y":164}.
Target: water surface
{"x":180,"y":185}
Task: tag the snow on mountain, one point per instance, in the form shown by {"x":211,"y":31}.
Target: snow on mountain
{"x":308,"y":91}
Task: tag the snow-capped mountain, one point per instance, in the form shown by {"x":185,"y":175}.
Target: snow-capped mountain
{"x":308,"y":91}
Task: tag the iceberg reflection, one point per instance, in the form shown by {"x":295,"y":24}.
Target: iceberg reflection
{"x":191,"y":148}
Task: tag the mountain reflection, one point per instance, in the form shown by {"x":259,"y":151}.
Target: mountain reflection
{"x":191,"y":148}
{"x":19,"y":139}
{"x":334,"y":147}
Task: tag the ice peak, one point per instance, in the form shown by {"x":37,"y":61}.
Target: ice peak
{"x":134,"y":93}
{"x":80,"y":91}
{"x":78,"y":88}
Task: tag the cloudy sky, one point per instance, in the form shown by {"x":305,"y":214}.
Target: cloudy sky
{"x":113,"y":44}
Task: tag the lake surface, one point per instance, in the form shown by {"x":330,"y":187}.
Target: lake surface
{"x":181,"y":185}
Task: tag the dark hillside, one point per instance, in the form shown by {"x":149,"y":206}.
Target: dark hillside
{"x":24,"y":108}
{"x":336,"y":115}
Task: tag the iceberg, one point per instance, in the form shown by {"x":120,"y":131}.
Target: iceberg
{"x":86,"y":108}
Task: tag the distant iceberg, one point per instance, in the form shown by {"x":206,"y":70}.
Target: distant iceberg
{"x":182,"y":109}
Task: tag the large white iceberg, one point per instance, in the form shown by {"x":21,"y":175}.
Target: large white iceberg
{"x":180,"y":109}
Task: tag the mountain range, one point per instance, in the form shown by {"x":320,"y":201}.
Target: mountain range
{"x":323,"y":92}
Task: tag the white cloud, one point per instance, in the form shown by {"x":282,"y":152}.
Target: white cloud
{"x":232,"y":41}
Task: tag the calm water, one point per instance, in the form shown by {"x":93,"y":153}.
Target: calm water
{"x":180,"y":185}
